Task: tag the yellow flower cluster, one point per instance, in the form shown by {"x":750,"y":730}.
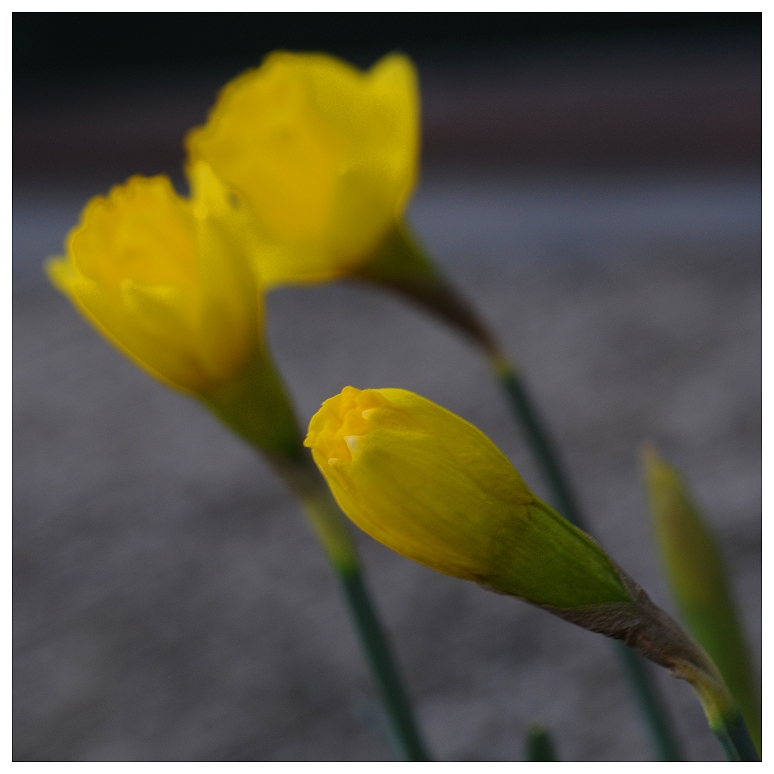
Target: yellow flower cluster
{"x":302,"y":174}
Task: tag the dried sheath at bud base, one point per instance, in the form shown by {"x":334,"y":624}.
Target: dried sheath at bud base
{"x":434,"y":488}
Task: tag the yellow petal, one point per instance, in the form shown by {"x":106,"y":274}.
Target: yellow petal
{"x":142,"y":229}
{"x":231,"y":315}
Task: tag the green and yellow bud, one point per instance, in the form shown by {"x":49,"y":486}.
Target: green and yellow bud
{"x":325,"y":154}
{"x":169,"y":281}
{"x":434,"y":488}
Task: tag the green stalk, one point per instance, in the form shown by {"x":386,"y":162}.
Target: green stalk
{"x":539,"y":746}
{"x":327,"y":521}
{"x":402,"y":728}
{"x":685,"y":658}
{"x":537,"y":438}
{"x":735,"y":740}
{"x":650,"y":703}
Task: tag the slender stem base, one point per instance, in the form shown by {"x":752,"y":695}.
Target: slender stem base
{"x":403,"y":730}
{"x":326,"y":519}
{"x":736,"y":741}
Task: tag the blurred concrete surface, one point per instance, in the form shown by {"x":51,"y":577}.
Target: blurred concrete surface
{"x":169,"y":601}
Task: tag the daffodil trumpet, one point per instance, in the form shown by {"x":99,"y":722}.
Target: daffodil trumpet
{"x":433,"y":488}
{"x":171,"y":283}
{"x":325,"y":154}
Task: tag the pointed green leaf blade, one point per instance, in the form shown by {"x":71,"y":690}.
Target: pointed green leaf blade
{"x":698,"y":579}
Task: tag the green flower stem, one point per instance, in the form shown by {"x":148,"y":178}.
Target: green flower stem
{"x":651,"y":705}
{"x":539,"y":746}
{"x":538,"y":440}
{"x":735,"y":740}
{"x":723,"y":715}
{"x":403,"y":730}
{"x":303,"y":478}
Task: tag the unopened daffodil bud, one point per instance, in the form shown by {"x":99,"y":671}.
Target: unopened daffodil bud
{"x":325,"y":154}
{"x":434,"y":488}
{"x":169,"y":281}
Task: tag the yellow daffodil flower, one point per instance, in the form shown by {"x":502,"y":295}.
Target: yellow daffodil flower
{"x":168,"y":280}
{"x":325,"y":154}
{"x":434,"y":488}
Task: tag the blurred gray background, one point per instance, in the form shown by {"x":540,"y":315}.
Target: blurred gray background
{"x":591,"y":182}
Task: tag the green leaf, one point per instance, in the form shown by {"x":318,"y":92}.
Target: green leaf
{"x":699,"y":582}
